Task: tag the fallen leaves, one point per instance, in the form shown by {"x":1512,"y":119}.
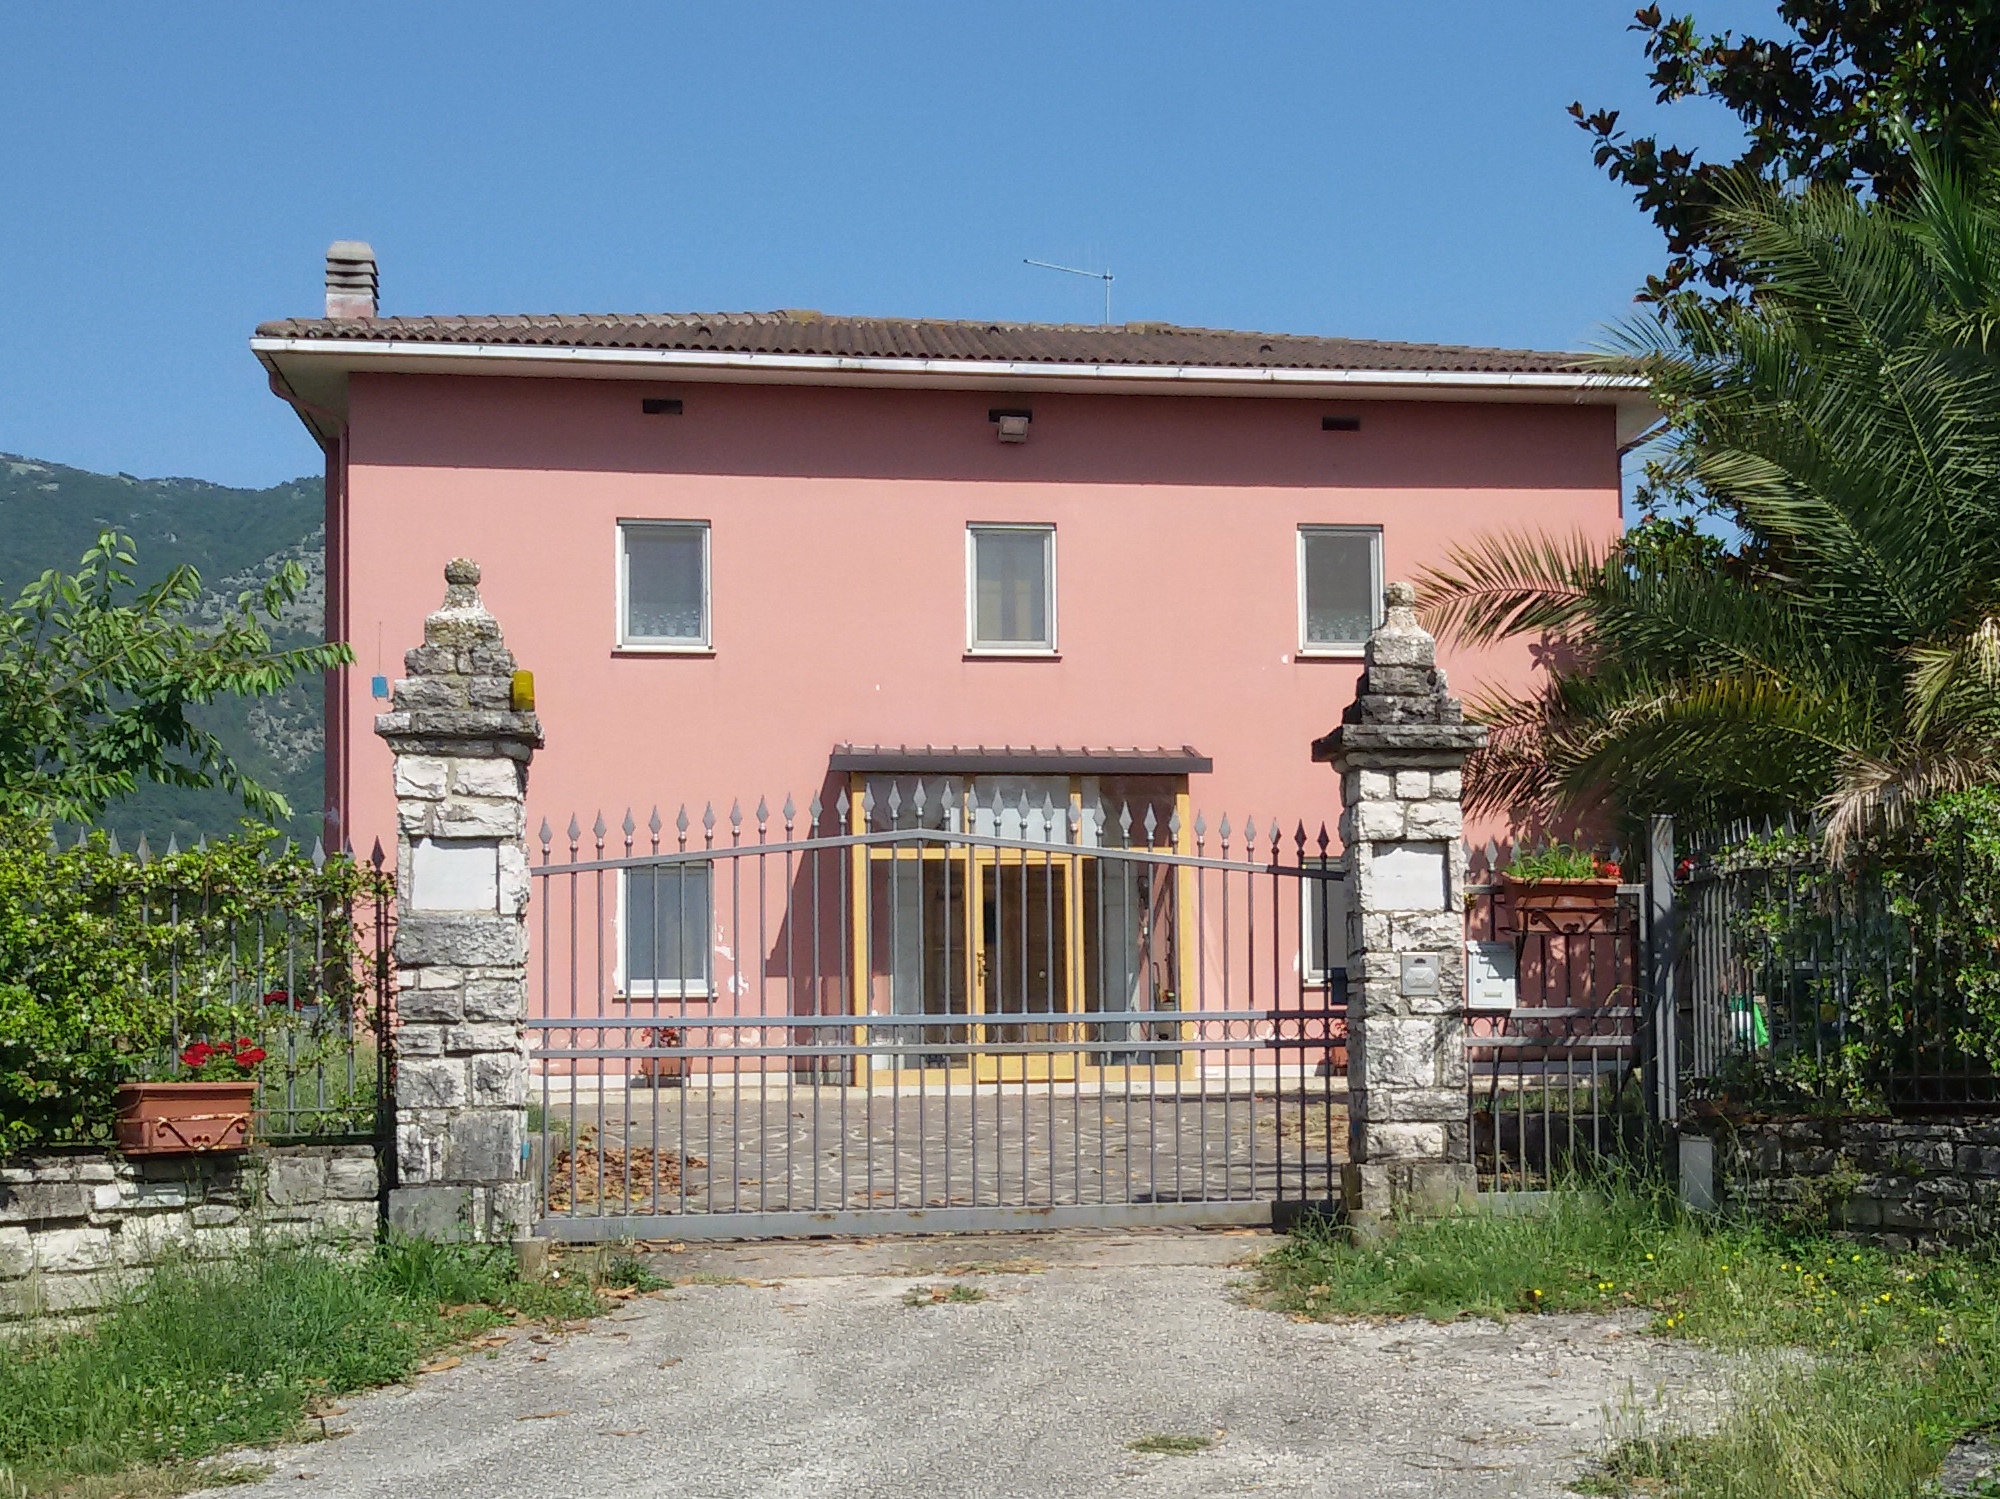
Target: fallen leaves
{"x":1019,"y":1265}
{"x":545,"y":1415}
{"x":440,"y":1365}
{"x":628,"y":1176}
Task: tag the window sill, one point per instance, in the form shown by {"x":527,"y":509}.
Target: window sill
{"x":1017,"y":653}
{"x":662,"y":1000}
{"x":662,"y":650}
{"x":1331,"y":653}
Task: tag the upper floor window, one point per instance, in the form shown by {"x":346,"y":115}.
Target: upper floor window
{"x":1340,"y":588}
{"x":663,"y":585}
{"x":1011,"y":589}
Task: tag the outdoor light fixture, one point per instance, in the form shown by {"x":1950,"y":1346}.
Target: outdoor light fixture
{"x":660,"y":406}
{"x":1013,"y":425}
{"x":1340,"y":424}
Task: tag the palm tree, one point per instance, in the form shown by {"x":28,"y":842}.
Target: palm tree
{"x":1843,"y":652}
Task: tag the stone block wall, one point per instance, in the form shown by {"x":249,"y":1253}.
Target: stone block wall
{"x":1897,"y":1183}
{"x":77,"y":1228}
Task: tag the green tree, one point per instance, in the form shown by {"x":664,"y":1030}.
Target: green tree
{"x":98,"y":677}
{"x":1824,"y":105}
{"x":1844,"y":652}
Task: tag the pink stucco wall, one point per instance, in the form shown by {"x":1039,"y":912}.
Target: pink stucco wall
{"x":838,"y":522}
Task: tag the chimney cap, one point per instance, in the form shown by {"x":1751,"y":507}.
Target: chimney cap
{"x":353,"y":280}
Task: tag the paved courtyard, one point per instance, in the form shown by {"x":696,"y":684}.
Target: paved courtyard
{"x":805,"y":1370}
{"x":767,"y":1146}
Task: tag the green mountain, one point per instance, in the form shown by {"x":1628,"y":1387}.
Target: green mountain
{"x":236,"y":539}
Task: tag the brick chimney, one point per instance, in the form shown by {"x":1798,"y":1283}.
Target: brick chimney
{"x":351,"y":279}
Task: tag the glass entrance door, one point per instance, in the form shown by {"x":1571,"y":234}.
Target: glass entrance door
{"x":1022,"y":967}
{"x":1008,"y":914}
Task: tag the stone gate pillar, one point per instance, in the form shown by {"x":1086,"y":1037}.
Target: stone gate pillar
{"x":463,"y":731}
{"x":1399,"y":751}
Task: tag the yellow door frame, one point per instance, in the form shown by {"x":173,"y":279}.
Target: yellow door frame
{"x":975,"y":863}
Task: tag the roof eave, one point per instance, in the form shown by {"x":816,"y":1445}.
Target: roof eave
{"x":315,"y":370}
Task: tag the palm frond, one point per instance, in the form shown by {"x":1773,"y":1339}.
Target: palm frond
{"x":1879,"y":797}
{"x":1511,"y":583}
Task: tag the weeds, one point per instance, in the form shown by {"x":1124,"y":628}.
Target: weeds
{"x":953,"y":1295}
{"x":1171,"y":1444}
{"x":627,"y":1272}
{"x":1906,"y":1351}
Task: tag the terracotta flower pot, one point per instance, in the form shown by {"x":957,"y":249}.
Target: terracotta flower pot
{"x":184,"y":1118}
{"x":659,"y":1071}
{"x":1560,"y":905}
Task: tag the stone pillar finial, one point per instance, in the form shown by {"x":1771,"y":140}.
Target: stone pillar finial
{"x":462,"y":752}
{"x":1400,"y":750}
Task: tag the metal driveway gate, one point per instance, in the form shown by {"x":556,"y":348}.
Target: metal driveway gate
{"x":934,"y":1006}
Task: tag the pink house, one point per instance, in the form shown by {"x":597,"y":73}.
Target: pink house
{"x":991,"y":602}
{"x":732,"y":546}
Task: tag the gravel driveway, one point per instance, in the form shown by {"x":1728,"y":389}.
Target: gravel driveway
{"x":803,"y":1370}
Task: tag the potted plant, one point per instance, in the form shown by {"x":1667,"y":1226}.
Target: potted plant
{"x":205,"y":1108}
{"x":1561,"y":886}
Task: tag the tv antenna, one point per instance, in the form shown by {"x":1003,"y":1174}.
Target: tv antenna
{"x":1103,"y":275}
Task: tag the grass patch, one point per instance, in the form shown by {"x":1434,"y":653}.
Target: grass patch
{"x":205,"y":1357}
{"x":954,"y":1295}
{"x":1905,"y":1353}
{"x":1171,"y":1444}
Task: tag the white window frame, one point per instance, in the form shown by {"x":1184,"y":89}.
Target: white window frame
{"x":657,"y":644}
{"x":973,"y":647}
{"x":1342,"y":650}
{"x":630,"y":989}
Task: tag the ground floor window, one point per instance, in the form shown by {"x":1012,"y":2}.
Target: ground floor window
{"x":666,"y":921}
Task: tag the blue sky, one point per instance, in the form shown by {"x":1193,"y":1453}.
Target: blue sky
{"x":172,"y":175}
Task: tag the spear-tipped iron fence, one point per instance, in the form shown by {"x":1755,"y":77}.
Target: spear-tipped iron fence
{"x":937,"y":1004}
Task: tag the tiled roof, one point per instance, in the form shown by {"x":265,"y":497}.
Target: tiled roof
{"x":810,"y":333}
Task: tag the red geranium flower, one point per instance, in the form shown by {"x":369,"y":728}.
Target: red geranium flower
{"x":212,"y":1061}
{"x":277,"y":997}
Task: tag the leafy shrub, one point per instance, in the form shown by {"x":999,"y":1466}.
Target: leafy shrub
{"x":1849,"y":987}
{"x":111,"y":967}
{"x":75,"y":1012}
{"x":1948,"y":889}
